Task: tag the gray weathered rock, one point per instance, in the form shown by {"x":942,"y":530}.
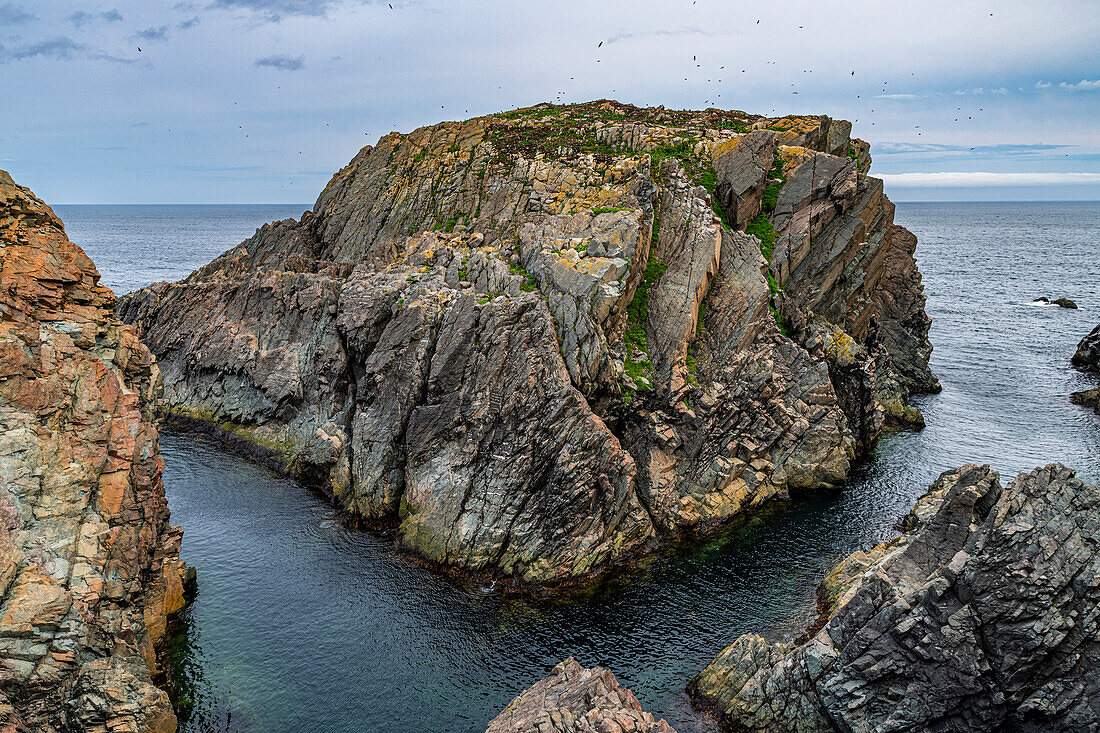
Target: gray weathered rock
{"x":575,"y":699}
{"x":983,"y":616}
{"x":1087,"y":355}
{"x":529,"y":339}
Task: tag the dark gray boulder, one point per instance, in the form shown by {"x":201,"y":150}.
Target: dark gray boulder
{"x":984,"y":615}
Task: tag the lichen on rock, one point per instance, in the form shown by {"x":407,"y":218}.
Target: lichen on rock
{"x":543,"y":340}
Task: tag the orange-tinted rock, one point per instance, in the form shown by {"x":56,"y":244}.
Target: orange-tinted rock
{"x":89,"y":564}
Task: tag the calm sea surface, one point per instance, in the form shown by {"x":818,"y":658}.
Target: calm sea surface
{"x":303,"y":624}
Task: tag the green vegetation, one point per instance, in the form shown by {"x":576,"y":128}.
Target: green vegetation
{"x":608,"y":209}
{"x":449,"y":225}
{"x":636,"y":313}
{"x":528,"y":285}
{"x":761,"y":228}
{"x":773,"y":286}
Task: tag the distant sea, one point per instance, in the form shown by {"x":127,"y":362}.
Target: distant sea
{"x":136,"y":245}
{"x":302,"y":623}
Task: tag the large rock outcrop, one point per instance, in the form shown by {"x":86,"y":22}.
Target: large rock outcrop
{"x":531,"y":340}
{"x":575,"y":699}
{"x":1087,"y":357}
{"x":983,"y":616}
{"x":89,"y":566}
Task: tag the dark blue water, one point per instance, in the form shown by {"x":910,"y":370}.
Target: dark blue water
{"x":303,"y":624}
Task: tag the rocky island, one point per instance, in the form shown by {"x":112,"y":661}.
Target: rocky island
{"x":541,"y":341}
{"x":983,"y":616}
{"x":89,"y":566}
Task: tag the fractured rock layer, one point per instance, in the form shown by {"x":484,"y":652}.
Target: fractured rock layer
{"x":575,"y":699}
{"x":89,"y":565}
{"x":541,"y":340}
{"x":983,"y":616}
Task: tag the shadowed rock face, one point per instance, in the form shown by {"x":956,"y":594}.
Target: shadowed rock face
{"x":984,"y":615}
{"x":89,"y":566}
{"x":530,"y":340}
{"x":574,"y":699}
{"x":1087,"y":357}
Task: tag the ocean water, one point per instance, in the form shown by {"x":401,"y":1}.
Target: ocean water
{"x":301,"y":623}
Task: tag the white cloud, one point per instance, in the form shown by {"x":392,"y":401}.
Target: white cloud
{"x":895,"y":96}
{"x":1082,"y":86}
{"x":973,"y":179}
{"x":1042,"y":84}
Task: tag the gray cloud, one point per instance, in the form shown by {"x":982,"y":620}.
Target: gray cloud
{"x":189,"y":23}
{"x":273,"y":10}
{"x":658,"y":33}
{"x":62,"y":48}
{"x":153,"y":34}
{"x":12,"y":14}
{"x":283,"y":62}
{"x":81,"y":18}
{"x":895,"y":148}
{"x":1082,"y":86}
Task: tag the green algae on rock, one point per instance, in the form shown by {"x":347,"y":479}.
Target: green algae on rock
{"x":542,"y":341}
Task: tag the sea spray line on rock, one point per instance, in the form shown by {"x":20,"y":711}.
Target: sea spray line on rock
{"x":443,"y":341}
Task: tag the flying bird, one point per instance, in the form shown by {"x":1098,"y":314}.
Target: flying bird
{"x":139,"y":49}
{"x":600,"y":44}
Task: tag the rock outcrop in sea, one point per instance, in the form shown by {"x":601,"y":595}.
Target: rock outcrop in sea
{"x":575,"y":699}
{"x":89,"y":565}
{"x":1087,"y":357}
{"x":539,"y":341}
{"x":983,"y":616}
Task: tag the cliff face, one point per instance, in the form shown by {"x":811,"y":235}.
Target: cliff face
{"x":89,"y":567}
{"x":542,"y":339}
{"x":983,"y":616}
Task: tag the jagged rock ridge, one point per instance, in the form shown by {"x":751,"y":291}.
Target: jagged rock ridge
{"x":89,"y":565}
{"x":983,"y":616}
{"x":542,"y":339}
{"x":575,"y":699}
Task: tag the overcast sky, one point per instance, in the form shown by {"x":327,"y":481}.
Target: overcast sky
{"x":248,"y":101}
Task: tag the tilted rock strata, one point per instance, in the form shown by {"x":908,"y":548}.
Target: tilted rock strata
{"x":984,"y":615}
{"x":575,"y":699}
{"x":89,"y":567}
{"x":531,"y":340}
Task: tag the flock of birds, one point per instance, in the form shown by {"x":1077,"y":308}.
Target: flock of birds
{"x":714,"y":78}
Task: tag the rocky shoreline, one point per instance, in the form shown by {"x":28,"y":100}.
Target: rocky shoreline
{"x":544,"y":341}
{"x":89,"y":564}
{"x":984,"y":615}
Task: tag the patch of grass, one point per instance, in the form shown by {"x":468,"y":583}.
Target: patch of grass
{"x":761,"y":228}
{"x":773,"y":286}
{"x":449,"y":225}
{"x":638,"y":311}
{"x":608,"y":209}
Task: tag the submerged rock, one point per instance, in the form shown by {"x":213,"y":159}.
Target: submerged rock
{"x":530,"y":340}
{"x":575,"y":699}
{"x":89,"y":565}
{"x":984,"y":615}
